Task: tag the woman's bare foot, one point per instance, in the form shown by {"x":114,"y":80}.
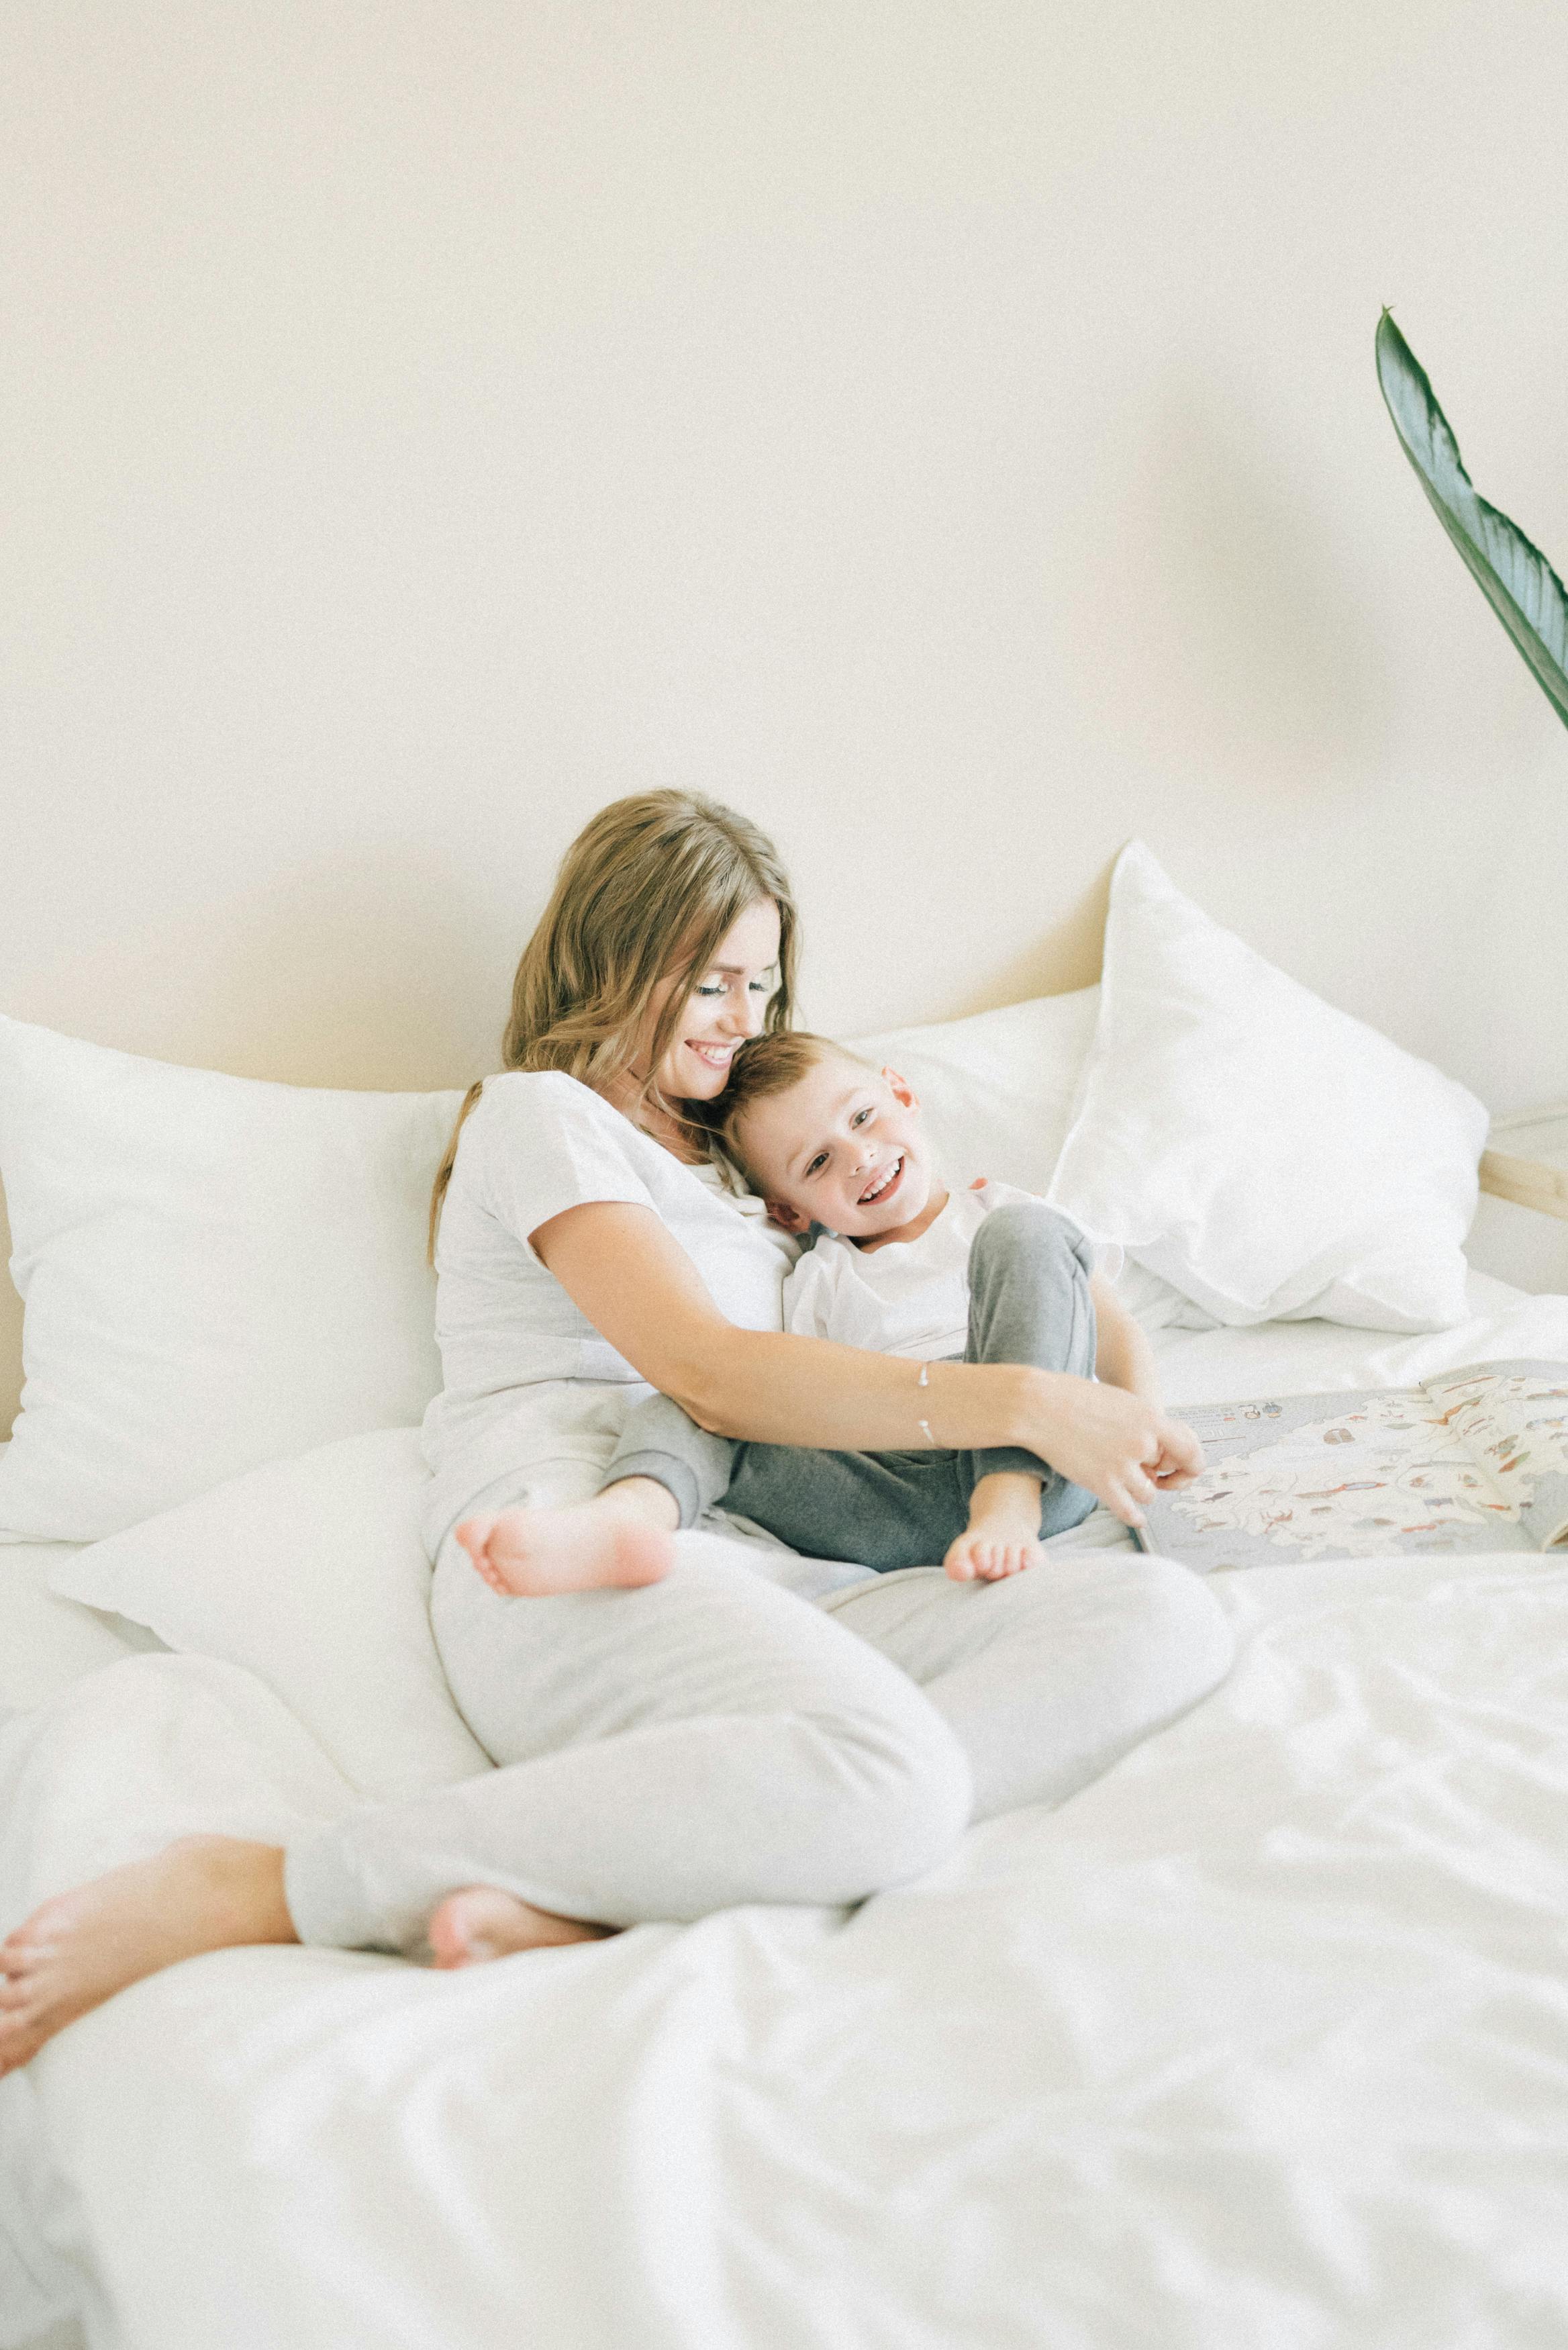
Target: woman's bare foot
{"x":480,"y":1923}
{"x":204,"y":1893}
{"x":594,"y":1546}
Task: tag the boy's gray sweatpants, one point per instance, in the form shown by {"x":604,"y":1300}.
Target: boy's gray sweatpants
{"x":1029,"y":1303}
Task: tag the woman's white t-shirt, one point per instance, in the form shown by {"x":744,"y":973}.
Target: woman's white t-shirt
{"x":529,"y":1385}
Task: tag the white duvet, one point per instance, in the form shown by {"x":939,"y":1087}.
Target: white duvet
{"x":1261,"y":2041}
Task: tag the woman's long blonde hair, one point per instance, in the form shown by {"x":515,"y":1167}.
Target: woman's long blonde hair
{"x":647,"y":890}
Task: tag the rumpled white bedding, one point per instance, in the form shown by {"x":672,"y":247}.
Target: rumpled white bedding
{"x":1262,"y":2040}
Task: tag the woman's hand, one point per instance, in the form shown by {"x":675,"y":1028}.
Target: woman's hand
{"x":1121,"y":1447}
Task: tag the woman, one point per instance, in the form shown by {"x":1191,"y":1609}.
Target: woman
{"x":754,"y":1726}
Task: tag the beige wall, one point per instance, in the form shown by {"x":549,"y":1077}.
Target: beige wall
{"x":947,"y":430}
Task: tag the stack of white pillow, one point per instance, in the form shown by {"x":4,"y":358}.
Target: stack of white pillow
{"x":228,"y":1316}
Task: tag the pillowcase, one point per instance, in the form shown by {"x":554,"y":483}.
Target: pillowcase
{"x":310,"y":1572}
{"x":997,"y":1091}
{"x":216,"y":1272}
{"x":1273,"y":1158}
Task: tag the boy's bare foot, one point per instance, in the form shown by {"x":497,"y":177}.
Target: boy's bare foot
{"x":985,"y":1555}
{"x":480,"y":1923}
{"x":596,"y":1545}
{"x":1003,"y":1536}
{"x":204,"y":1893}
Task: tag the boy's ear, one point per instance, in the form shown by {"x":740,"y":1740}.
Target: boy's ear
{"x":788,"y":1219}
{"x":902,"y":1091}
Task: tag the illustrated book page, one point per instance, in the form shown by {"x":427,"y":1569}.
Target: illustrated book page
{"x":1472,"y":1460}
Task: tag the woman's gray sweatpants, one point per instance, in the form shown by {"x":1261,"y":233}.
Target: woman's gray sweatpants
{"x":716,"y":1738}
{"x":1029,"y":1303}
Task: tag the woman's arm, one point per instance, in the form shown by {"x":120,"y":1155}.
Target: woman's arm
{"x":1124,"y":1357}
{"x":1122,"y":1354}
{"x":640,"y":1290}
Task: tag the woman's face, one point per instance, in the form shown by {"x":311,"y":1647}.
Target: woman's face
{"x":726,"y":1005}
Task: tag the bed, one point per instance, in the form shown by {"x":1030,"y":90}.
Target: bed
{"x":1259,"y":2039}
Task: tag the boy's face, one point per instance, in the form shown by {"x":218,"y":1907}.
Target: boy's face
{"x":844,"y":1147}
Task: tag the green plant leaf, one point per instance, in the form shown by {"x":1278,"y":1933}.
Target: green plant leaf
{"x":1515,"y":577}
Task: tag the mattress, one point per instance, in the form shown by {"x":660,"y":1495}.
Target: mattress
{"x":1261,"y":2038}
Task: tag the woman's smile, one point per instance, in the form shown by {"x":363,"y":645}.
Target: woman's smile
{"x":700,"y":1066}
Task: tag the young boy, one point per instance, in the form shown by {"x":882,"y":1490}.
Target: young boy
{"x":901,"y":1266}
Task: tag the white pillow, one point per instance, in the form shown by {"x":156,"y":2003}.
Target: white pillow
{"x":997,"y":1090}
{"x":216,"y":1273}
{"x":1271,"y":1156}
{"x":310,"y":1572}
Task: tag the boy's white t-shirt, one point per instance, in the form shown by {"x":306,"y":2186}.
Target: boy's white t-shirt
{"x":910,"y":1297}
{"x":528,"y":1382}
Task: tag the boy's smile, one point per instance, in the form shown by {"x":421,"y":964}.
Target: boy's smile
{"x":881,"y":1187}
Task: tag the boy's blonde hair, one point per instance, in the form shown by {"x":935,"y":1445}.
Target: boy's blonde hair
{"x":766,"y":1065}
{"x":649,"y":889}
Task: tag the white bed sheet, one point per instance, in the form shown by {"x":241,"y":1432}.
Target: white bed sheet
{"x":1261,"y":2039}
{"x":1299,"y":1358}
{"x":46,"y":1643}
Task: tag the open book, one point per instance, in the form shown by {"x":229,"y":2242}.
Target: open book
{"x":1471,"y":1460}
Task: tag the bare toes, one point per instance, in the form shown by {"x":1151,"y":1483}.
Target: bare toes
{"x":480,"y":1923}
